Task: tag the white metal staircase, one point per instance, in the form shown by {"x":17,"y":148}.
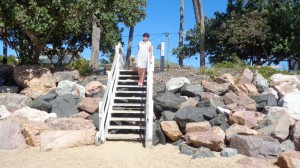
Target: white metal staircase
{"x":126,"y":111}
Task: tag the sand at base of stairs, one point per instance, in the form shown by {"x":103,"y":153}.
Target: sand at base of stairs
{"x":111,"y":155}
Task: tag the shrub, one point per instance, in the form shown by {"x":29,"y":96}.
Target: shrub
{"x":82,"y":65}
{"x":11,"y":60}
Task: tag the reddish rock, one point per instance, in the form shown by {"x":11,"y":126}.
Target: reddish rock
{"x":215,"y":88}
{"x":188,"y":102}
{"x":197,"y":127}
{"x":238,"y":129}
{"x":250,"y":162}
{"x":39,"y":80}
{"x":249,"y":119}
{"x":70,"y":124}
{"x":240,"y":101}
{"x":244,"y":89}
{"x":214,"y":139}
{"x":32,"y":131}
{"x":89,"y":104}
{"x":11,"y":136}
{"x":54,"y":140}
{"x":289,"y":159}
{"x":246,"y":77}
{"x":93,"y":88}
{"x":81,"y":114}
{"x":171,"y":130}
{"x":208,"y":95}
{"x":226,"y":78}
{"x":296,"y":135}
{"x":263,"y":147}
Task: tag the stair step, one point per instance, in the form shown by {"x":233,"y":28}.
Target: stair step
{"x":128,"y":75}
{"x":125,"y":136}
{"x":128,"y":111}
{"x":120,"y":91}
{"x":129,"y":80}
{"x":130,"y":98}
{"x":131,"y":86}
{"x":129,"y":104}
{"x":130,"y":127}
{"x":126,"y":119}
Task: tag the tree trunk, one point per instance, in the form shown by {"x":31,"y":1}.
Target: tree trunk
{"x":95,"y":44}
{"x":180,"y":57}
{"x":196,"y":11}
{"x":202,"y":32}
{"x":131,"y":30}
{"x":37,"y":52}
{"x":4,"y":59}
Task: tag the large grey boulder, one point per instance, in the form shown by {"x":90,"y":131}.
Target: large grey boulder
{"x":276,"y":124}
{"x":68,"y":87}
{"x":287,"y":145}
{"x":167,"y":101}
{"x":220,"y":120}
{"x":188,"y":114}
{"x":65,"y":105}
{"x":264,"y":100}
{"x":43,"y":102}
{"x":260,"y":82}
{"x":263,"y":147}
{"x":168,"y":116}
{"x":13,"y":101}
{"x":291,"y":102}
{"x":158,"y":135}
{"x":11,"y":136}
{"x":228,"y":152}
{"x":191,"y":90}
{"x":66,"y":75}
{"x":174,"y":84}
{"x":201,"y":152}
{"x":212,"y":103}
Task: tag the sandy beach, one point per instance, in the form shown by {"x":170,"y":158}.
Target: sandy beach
{"x":111,"y":155}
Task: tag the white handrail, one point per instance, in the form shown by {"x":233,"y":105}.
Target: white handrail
{"x":149,"y":104}
{"x":118,"y":64}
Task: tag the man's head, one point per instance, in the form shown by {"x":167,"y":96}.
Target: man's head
{"x":146,"y":37}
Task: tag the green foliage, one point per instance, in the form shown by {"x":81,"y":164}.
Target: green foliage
{"x":34,"y":27}
{"x":82,"y":65}
{"x":259,"y":32}
{"x":11,"y":60}
{"x":212,"y":73}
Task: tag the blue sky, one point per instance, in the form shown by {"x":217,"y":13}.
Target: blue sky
{"x":162,"y":17}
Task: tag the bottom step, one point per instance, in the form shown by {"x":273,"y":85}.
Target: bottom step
{"x":124,"y":136}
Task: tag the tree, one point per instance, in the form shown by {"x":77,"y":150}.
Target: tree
{"x":198,"y":10}
{"x":180,"y":45}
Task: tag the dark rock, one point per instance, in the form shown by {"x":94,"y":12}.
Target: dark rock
{"x":95,"y":119}
{"x":264,"y":100}
{"x":167,"y":101}
{"x":203,"y":152}
{"x":48,"y":97}
{"x":260,"y":82}
{"x":228,"y":152}
{"x":168,"y":115}
{"x":65,"y":105}
{"x":158,"y":135}
{"x":159,"y":87}
{"x":221,"y":121}
{"x":191,"y":90}
{"x":212,"y":103}
{"x":6,"y":75}
{"x":41,"y":105}
{"x":187,"y":150}
{"x":208,"y":113}
{"x":178,"y":143}
{"x":2,"y":81}
{"x":256,"y":146}
{"x":188,"y":114}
